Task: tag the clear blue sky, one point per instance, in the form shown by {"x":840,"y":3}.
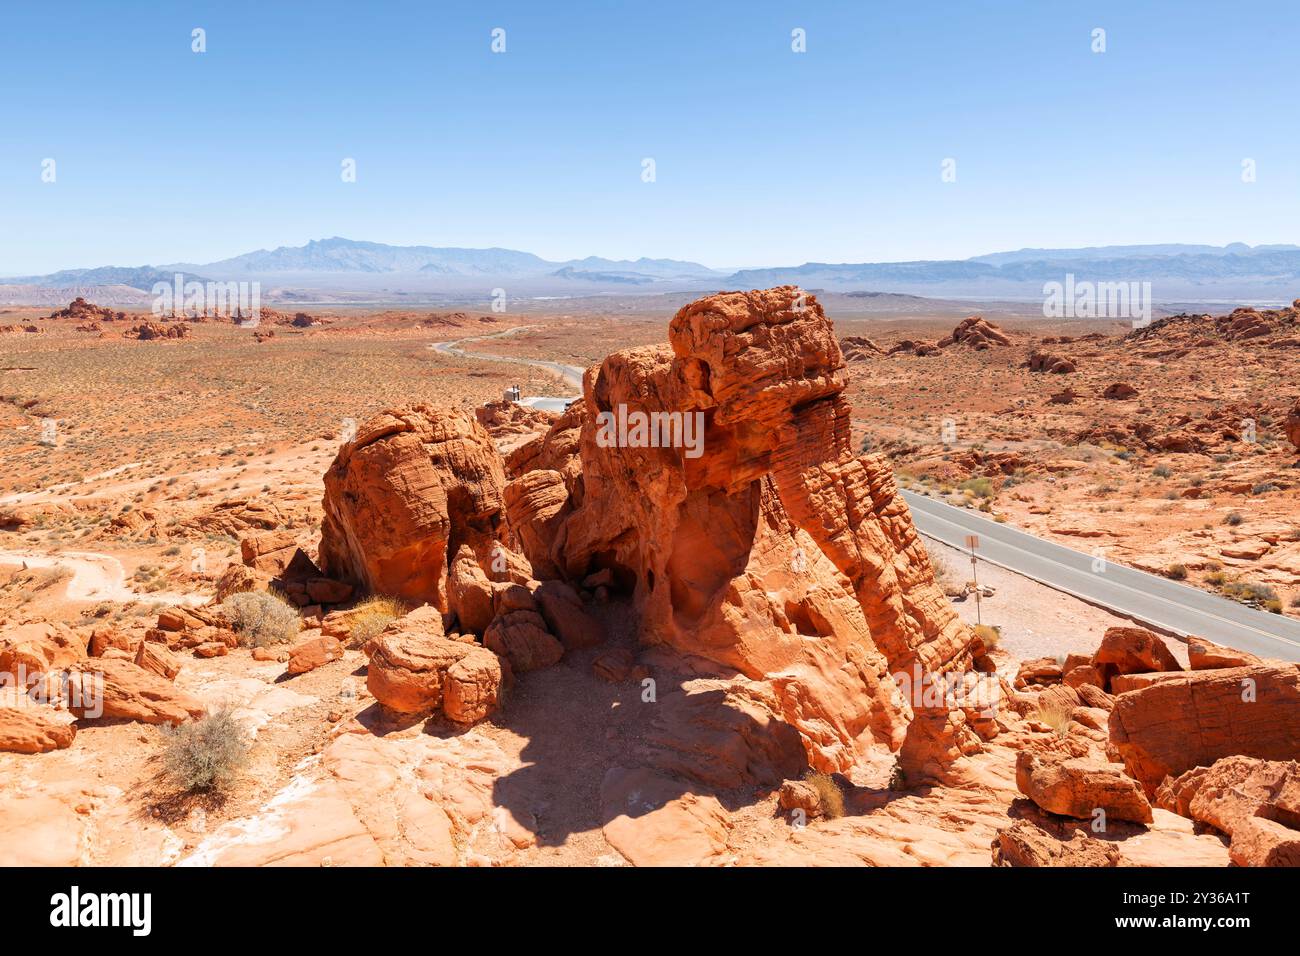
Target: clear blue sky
{"x":763,"y":156}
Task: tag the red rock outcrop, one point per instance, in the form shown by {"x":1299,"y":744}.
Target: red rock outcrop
{"x":83,"y":311}
{"x":1027,"y":843}
{"x":415,"y":669}
{"x":1292,"y":426}
{"x":147,"y":331}
{"x":35,"y":729}
{"x":766,"y":545}
{"x":313,"y":653}
{"x":1076,"y":786}
{"x":1051,"y":362}
{"x":118,"y":688}
{"x":402,"y":498}
{"x":977,"y":333}
{"x":1255,"y":802}
{"x":1131,"y":650}
{"x":1195,"y":718}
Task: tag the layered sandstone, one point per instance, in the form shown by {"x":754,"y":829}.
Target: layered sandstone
{"x":1193,"y":719}
{"x":768,"y":546}
{"x":404,"y":495}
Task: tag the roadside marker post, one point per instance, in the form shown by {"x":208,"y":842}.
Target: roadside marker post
{"x":973,"y":542}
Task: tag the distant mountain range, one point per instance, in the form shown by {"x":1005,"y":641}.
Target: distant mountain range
{"x":340,"y":269}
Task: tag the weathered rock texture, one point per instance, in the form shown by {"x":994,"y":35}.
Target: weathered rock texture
{"x":1078,"y":787}
{"x":777,"y":551}
{"x":404,"y":495}
{"x":1255,"y":802}
{"x":1193,"y":719}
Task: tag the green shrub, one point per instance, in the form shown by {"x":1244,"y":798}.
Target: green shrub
{"x":205,"y":754}
{"x":261,"y":618}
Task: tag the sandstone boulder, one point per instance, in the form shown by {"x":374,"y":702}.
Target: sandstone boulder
{"x":121,"y":689}
{"x":521,"y":637}
{"x":157,"y":659}
{"x":38,"y":648}
{"x":313,"y":653}
{"x":35,"y":729}
{"x":1131,"y":650}
{"x":1254,"y":802}
{"x":1203,"y":655}
{"x":566,"y":617}
{"x":1026,"y":843}
{"x":416,"y":671}
{"x":1193,"y":719}
{"x":1079,"y":786}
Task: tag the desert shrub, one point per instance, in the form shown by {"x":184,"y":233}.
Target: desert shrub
{"x":1216,"y":578}
{"x":1176,"y":572}
{"x":1263,"y":487}
{"x":1249,"y":593}
{"x":1234,"y":518}
{"x":828,"y":794}
{"x":1162,"y":471}
{"x":371,"y":616}
{"x":978,"y":487}
{"x":1056,"y":715}
{"x":990,"y":635}
{"x":205,"y":754}
{"x":261,"y":618}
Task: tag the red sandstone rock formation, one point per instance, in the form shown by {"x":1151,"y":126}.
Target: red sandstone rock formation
{"x":777,"y":551}
{"x":1131,"y":650}
{"x":403,"y":497}
{"x":1192,"y":719}
{"x":1254,"y":802}
{"x":1292,"y":426}
{"x":977,"y":333}
{"x":87,"y":312}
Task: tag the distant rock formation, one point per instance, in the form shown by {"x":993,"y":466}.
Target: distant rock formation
{"x":976,"y":333}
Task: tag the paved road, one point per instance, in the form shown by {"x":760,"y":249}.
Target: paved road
{"x":1145,"y":597}
{"x":571,"y":375}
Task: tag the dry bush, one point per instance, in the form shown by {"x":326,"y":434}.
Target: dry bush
{"x":261,"y":618}
{"x":1056,"y":715}
{"x":371,"y":616}
{"x":828,"y":794}
{"x":990,"y":635}
{"x":205,"y":754}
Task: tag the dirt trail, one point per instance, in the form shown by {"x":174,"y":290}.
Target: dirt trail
{"x":95,"y":577}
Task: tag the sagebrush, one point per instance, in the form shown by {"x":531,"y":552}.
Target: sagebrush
{"x":205,"y":754}
{"x":261,"y":618}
